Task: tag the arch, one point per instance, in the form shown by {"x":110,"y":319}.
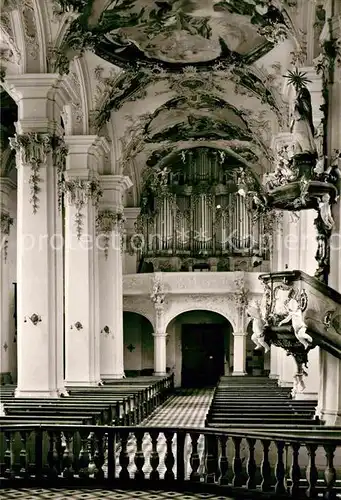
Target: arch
{"x":200,"y":347}
{"x":206,"y":305}
{"x":138,"y":344}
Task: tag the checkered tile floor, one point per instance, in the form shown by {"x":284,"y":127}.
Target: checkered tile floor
{"x":188,"y":408}
{"x":93,"y":494}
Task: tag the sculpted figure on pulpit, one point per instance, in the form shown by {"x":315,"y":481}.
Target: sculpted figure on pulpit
{"x":258,"y":327}
{"x":302,"y":126}
{"x":295,"y":315}
{"x":326,"y":212}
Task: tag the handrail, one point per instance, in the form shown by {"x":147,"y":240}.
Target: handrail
{"x":294,"y":435}
{"x":270,"y":463}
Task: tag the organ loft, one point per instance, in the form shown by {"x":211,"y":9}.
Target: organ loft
{"x":170,"y":259}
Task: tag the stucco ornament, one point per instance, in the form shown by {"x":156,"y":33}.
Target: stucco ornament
{"x":258,"y":327}
{"x":108,"y":221}
{"x":158,"y":295}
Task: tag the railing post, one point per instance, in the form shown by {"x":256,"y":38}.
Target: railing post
{"x":223,"y":463}
{"x":195,"y":459}
{"x":83,"y":460}
{"x":265,"y":467}
{"x":111,"y":455}
{"x":237,"y":463}
{"x":330,"y":473}
{"x":8,"y":455}
{"x":251,"y":465}
{"x":280,"y":488}
{"x":312,"y":475}
{"x":52,"y":457}
{"x":169,"y":458}
{"x":295,"y":473}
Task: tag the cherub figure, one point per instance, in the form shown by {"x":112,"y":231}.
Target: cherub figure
{"x":258,"y":326}
{"x":300,"y":328}
{"x":325,"y":211}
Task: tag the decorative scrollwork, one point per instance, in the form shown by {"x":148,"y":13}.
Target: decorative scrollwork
{"x":106,"y":222}
{"x":79,"y":192}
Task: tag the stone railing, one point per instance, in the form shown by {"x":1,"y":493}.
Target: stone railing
{"x":296,"y":463}
{"x":201,"y":283}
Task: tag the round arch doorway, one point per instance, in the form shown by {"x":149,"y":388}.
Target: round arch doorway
{"x":202,"y":348}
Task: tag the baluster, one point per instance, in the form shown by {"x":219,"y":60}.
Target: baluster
{"x":8,"y":455}
{"x":251,"y":465}
{"x":280,"y":488}
{"x":91,"y":453}
{"x":111,"y":455}
{"x":169,"y":457}
{"x":23,"y":458}
{"x":195,"y":459}
{"x":311,"y":472}
{"x":265,"y":467}
{"x":84,"y":459}
{"x":139,"y":456}
{"x":295,"y":470}
{"x":99,"y":456}
{"x":211,"y":458}
{"x":330,"y":473}
{"x":38,"y":453}
{"x":68,"y":457}
{"x":154,"y":457}
{"x":52,"y":457}
{"x":237,"y":463}
{"x":223,"y":464}
{"x":124,"y":457}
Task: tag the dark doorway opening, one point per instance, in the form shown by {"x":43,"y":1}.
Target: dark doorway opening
{"x":202,"y":354}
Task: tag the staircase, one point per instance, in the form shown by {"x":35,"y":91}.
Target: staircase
{"x":257,"y":402}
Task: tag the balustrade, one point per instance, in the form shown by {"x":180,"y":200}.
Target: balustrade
{"x":286,"y":466}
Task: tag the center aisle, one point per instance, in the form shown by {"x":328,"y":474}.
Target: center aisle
{"x":187,"y":408}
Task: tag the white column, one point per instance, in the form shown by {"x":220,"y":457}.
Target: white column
{"x":287,"y":370}
{"x":239,"y":353}
{"x":110,"y":226}
{"x":329,"y":397}
{"x":312,"y":381}
{"x":40,"y":98}
{"x":274,"y":362}
{"x":81,"y":269}
{"x":6,"y":221}
{"x":160,"y":353}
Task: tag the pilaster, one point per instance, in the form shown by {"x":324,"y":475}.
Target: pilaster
{"x":160,"y":345}
{"x":40,"y":156}
{"x":287,"y":369}
{"x":274,"y":362}
{"x":82,"y":193}
{"x":239,"y":353}
{"x":329,"y":397}
{"x":110,"y":224}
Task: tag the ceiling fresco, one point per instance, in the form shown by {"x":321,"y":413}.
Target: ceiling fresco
{"x":200,"y":60}
{"x":184,"y":31}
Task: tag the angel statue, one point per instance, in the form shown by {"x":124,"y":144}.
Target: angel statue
{"x":258,"y":327}
{"x":296,"y":317}
{"x":325,"y":211}
{"x":302,"y":126}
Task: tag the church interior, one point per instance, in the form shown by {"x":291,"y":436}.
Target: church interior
{"x":170,"y":251}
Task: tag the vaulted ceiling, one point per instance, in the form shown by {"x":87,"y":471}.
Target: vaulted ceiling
{"x":170,"y":74}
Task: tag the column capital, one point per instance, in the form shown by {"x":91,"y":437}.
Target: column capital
{"x":113,"y":187}
{"x":132,"y":213}
{"x":115,"y":182}
{"x":84,"y":152}
{"x":160,"y":334}
{"x":40,"y":98}
{"x":239,"y":334}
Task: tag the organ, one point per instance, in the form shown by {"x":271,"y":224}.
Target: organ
{"x":195,"y":215}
